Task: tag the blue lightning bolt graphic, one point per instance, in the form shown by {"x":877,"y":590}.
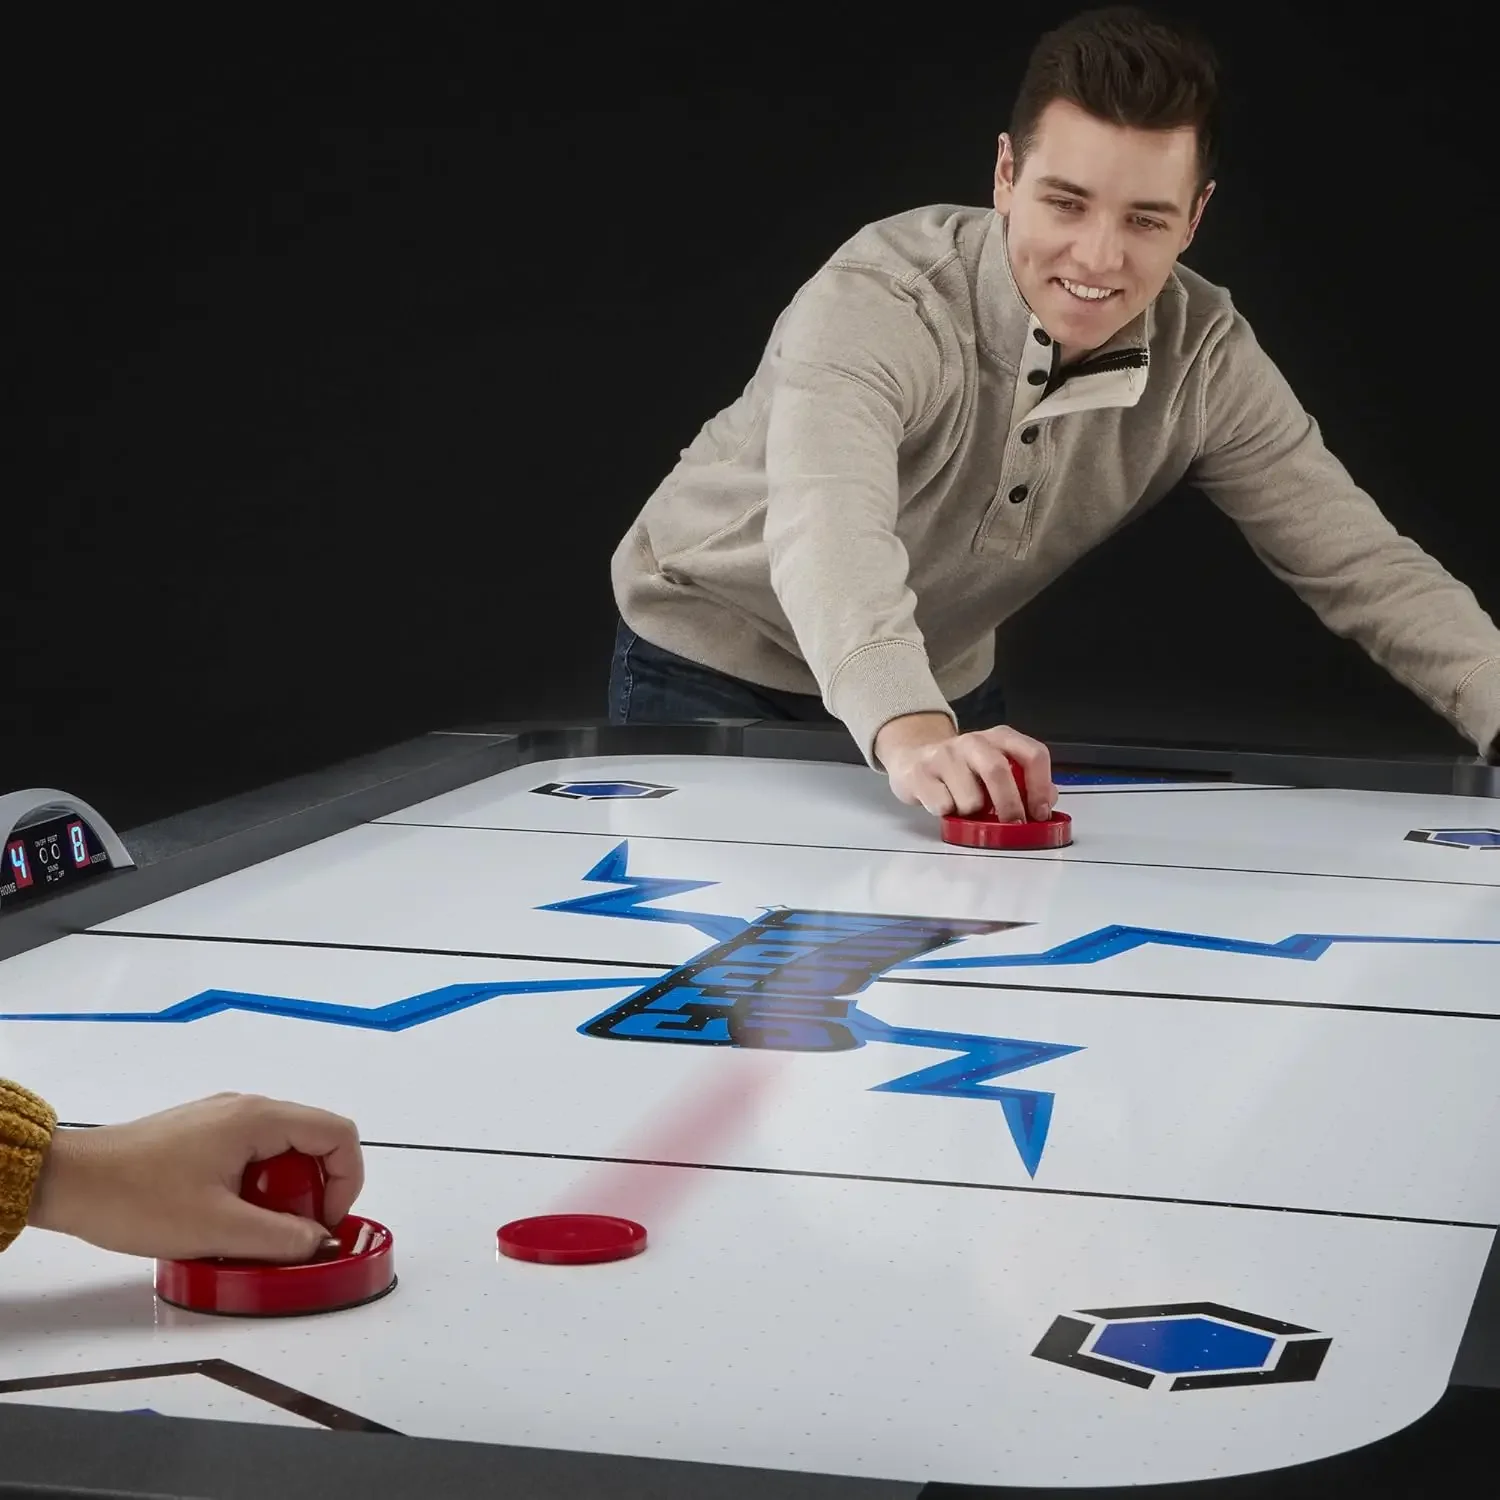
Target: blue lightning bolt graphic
{"x":399,"y":1015}
{"x":1110,"y":942}
{"x":967,"y":1076}
{"x":639,"y":889}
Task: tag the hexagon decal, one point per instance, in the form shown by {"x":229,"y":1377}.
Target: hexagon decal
{"x":1457,"y":838}
{"x":604,"y":791}
{"x":1184,"y":1346}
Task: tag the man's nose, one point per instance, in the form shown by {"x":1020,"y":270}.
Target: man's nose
{"x":1100,"y":248}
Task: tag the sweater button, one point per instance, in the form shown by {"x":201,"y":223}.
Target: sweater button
{"x":1037,"y":377}
{"x":1029,"y":436}
{"x":1018,"y":494}
{"x":1041,"y":335}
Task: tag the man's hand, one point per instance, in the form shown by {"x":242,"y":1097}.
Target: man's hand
{"x":929,"y":762}
{"x":168,"y":1185}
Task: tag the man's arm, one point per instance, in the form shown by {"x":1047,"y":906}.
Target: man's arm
{"x":1264,"y":464}
{"x":857,"y":366}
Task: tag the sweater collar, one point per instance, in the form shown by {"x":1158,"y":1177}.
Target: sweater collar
{"x":1010,"y":333}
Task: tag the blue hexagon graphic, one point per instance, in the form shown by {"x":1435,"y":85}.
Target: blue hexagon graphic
{"x":1173,"y":1346}
{"x":1456,"y":838}
{"x":1184,"y":1346}
{"x":605,"y":791}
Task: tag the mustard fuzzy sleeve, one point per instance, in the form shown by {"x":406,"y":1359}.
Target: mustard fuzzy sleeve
{"x":26,"y":1126}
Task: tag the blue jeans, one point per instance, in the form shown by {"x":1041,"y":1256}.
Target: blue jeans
{"x":650,"y":686}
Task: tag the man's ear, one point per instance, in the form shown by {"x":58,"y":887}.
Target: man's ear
{"x":1197,"y":217}
{"x":1005,"y":174}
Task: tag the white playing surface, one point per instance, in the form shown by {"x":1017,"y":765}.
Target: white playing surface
{"x":840,"y":1277}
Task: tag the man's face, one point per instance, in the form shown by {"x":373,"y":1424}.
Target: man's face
{"x":1096,"y":208}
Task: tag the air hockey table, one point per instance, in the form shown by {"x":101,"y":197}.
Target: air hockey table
{"x":1169,"y":1158}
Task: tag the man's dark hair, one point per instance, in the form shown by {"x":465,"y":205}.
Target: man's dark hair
{"x":1128,"y":67}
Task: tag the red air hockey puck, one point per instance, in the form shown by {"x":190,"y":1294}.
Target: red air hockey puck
{"x":984,"y":830}
{"x":571,"y":1239}
{"x":988,"y":832}
{"x":362,"y":1268}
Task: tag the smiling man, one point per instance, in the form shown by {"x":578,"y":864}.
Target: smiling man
{"x":960,"y":404}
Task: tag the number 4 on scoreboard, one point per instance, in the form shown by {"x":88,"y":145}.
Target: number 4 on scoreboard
{"x":17,"y":863}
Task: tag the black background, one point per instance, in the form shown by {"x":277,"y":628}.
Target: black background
{"x":343,"y":354}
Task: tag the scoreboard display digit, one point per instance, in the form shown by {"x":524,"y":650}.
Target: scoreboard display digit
{"x":17,"y":865}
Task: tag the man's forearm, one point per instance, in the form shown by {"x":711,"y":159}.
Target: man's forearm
{"x":1264,"y":464}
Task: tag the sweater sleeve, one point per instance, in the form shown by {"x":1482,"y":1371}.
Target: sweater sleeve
{"x":856,"y":368}
{"x":1265,"y":466}
{"x":26,"y":1127}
